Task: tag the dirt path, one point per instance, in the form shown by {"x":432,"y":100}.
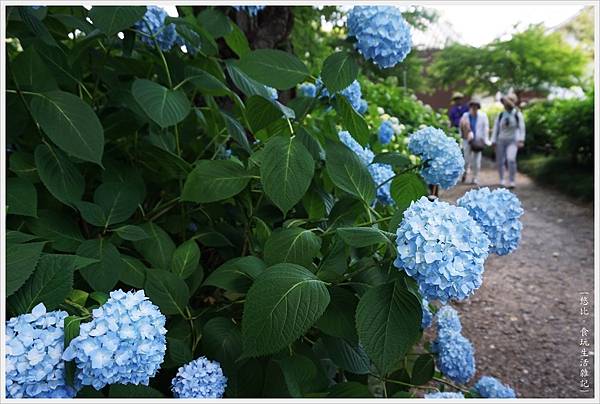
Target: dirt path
{"x":525,"y":321}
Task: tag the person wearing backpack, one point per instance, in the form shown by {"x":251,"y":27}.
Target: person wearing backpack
{"x":508,"y":136}
{"x":474,"y":128}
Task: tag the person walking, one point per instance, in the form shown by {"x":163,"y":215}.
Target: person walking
{"x":508,"y":136}
{"x":457,"y":109}
{"x":474,"y":128}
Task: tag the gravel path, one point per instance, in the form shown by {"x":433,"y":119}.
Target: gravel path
{"x":525,"y":321}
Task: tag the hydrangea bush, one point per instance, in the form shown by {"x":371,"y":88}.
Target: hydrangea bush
{"x":188,"y":216}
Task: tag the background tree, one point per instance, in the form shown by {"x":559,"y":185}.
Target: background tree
{"x":531,"y":60}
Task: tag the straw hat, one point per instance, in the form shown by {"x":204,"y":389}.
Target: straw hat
{"x":509,"y":100}
{"x":476,"y":101}
{"x":456,"y":95}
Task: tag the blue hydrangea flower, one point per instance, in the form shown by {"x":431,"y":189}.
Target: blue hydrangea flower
{"x":272,"y":93}
{"x":490,"y":387}
{"x":385,"y":133}
{"x":307,"y":90}
{"x":498,"y":213}
{"x":443,"y":161}
{"x":352,"y":93}
{"x":426,"y":314}
{"x":444,"y":394}
{"x":34,"y":348}
{"x":442,"y":248}
{"x":448,"y":320}
{"x":252,"y":11}
{"x":153,"y":23}
{"x":455,"y":356}
{"x":124,"y":343}
{"x":382,"y":35}
{"x":200,"y":378}
{"x":379,"y":172}
{"x":362,"y":107}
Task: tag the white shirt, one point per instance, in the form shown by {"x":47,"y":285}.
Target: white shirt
{"x":511,"y":127}
{"x":482,"y":126}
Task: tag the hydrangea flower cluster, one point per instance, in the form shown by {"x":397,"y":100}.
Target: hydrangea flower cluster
{"x":426,"y":314}
{"x":307,"y":90}
{"x":448,"y":320}
{"x":385,"y":132}
{"x":442,"y":248}
{"x":382,"y":35}
{"x":272,"y":93}
{"x":34,"y":348}
{"x":490,"y":387}
{"x":201,"y":378}
{"x":444,"y":394}
{"x":153,"y":23}
{"x":444,"y":162}
{"x":455,"y":356}
{"x":379,"y":172}
{"x":352,"y":93}
{"x":124,"y":343}
{"x":498,"y":213}
{"x":252,"y":11}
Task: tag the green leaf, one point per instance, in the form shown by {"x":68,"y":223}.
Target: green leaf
{"x":362,"y":236}
{"x":237,"y":274}
{"x":274,"y":68}
{"x":165,"y":107}
{"x":31,"y":73}
{"x":286,"y":171}
{"x":348,"y":173}
{"x":118,"y":200}
{"x":298,"y":371}
{"x":70,"y":123}
{"x":338,"y":319}
{"x":91,"y":213}
{"x":349,"y":357}
{"x":131,"y":233}
{"x":112,"y":19}
{"x":133,"y":391}
{"x":237,"y":41}
{"x":104,"y":275}
{"x":236,"y":131}
{"x":21,"y":260}
{"x":205,"y":82}
{"x":349,"y":390}
{"x":50,"y":284}
{"x":185,"y":259}
{"x":280,"y":306}
{"x":23,"y":165}
{"x":214,"y":22}
{"x":59,"y":174}
{"x":21,"y":197}
{"x":133,"y":273}
{"x":294,"y":245}
{"x":310,"y":143}
{"x":406,"y":188}
{"x":423,"y":370}
{"x":214,"y":180}
{"x":58,"y":228}
{"x":168,"y":291}
{"x":261,"y":112}
{"x":222,"y":341}
{"x":392,"y":158}
{"x":246,"y":85}
{"x":18,"y":237}
{"x":71,"y":330}
{"x":339,"y":71}
{"x":179,"y":352}
{"x":352,"y":121}
{"x":158,"y":249}
{"x":388,"y":319}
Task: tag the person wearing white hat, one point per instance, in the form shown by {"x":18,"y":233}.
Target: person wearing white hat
{"x":508,"y":136}
{"x":474,"y":128}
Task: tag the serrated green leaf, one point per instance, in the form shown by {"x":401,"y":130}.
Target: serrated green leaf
{"x":338,"y":319}
{"x":112,"y":19}
{"x":21,"y":197}
{"x":298,"y":371}
{"x":295,"y":245}
{"x":214,"y":180}
{"x":261,"y":112}
{"x":236,"y":131}
{"x":349,"y":357}
{"x":18,"y":237}
{"x":339,"y":71}
{"x":133,"y":273}
{"x":273,"y":67}
{"x":280,"y":306}
{"x":58,"y":228}
{"x":131,"y":233}
{"x":362,"y":236}
{"x":352,"y":121}
{"x":222,"y":341}
{"x":392,"y":158}
{"x":214,"y":22}
{"x":118,"y":200}
{"x":158,"y":248}
{"x":286,"y":171}
{"x":31,"y":72}
{"x":245,"y":84}
{"x":70,"y":123}
{"x":168,"y":291}
{"x":423,"y":370}
{"x":104,"y":275}
{"x":348,"y":173}
{"x":60,"y":176}
{"x":237,"y":41}
{"x":406,"y":188}
{"x":388,"y":319}
{"x":185,"y":259}
{"x":71,"y":330}
{"x":179,"y":352}
{"x":165,"y":107}
{"x":21,"y":261}
{"x":237,"y":274}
